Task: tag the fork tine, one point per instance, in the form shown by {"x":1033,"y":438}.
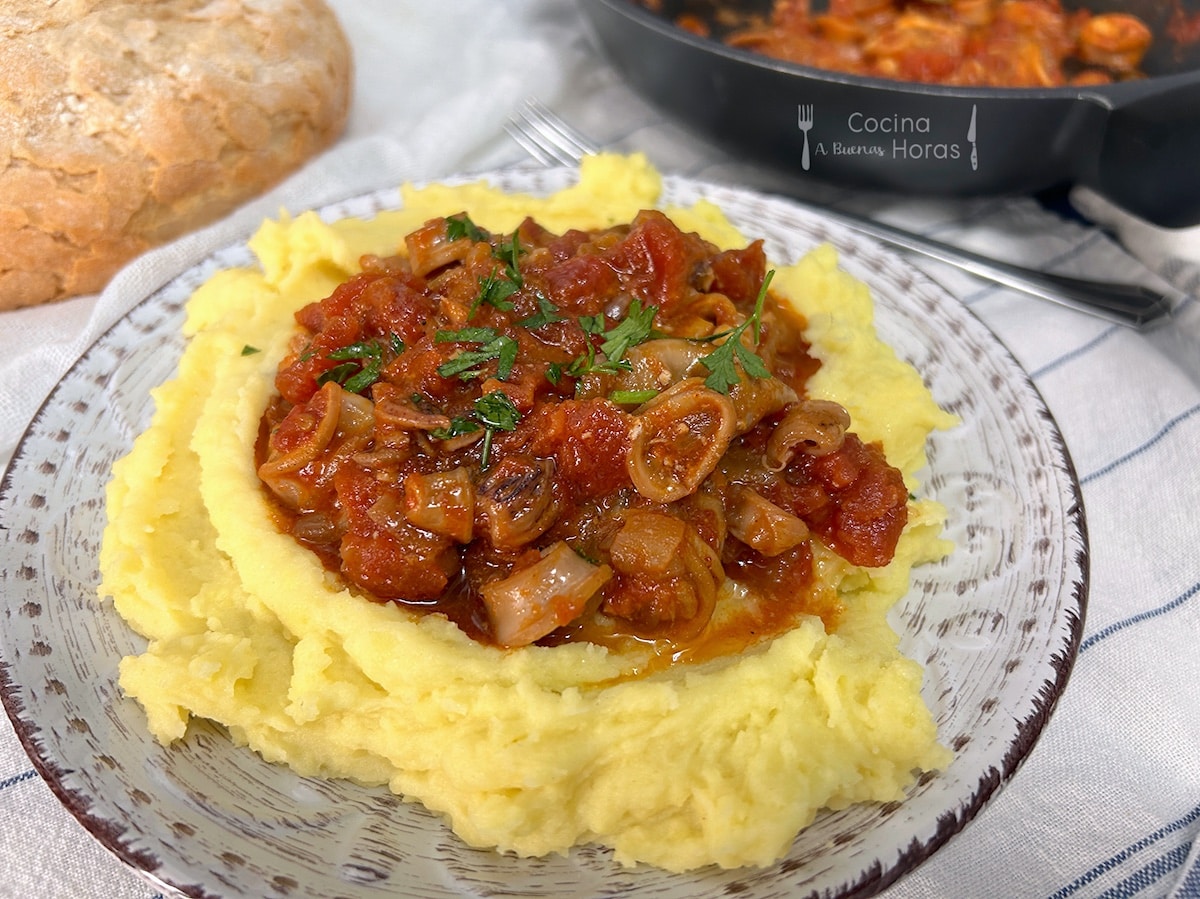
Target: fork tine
{"x":546,"y":137}
{"x":532,"y":144}
{"x":572,"y":139}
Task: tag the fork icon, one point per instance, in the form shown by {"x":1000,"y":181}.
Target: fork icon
{"x":806,"y":123}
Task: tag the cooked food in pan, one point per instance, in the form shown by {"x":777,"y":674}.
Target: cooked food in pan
{"x":992,"y":43}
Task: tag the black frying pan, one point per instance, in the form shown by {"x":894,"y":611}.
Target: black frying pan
{"x":1135,"y":142}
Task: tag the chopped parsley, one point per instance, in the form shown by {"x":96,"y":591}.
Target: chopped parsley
{"x":472,"y":363}
{"x":459,"y":425}
{"x":636,"y":327}
{"x":497,"y":413}
{"x":360,"y":363}
{"x":509,"y":252}
{"x":460,"y":226}
{"x":248,"y":350}
{"x":466,"y":335}
{"x":494,"y":290}
{"x":547,"y":314}
{"x":722,"y":362}
{"x":493,"y":411}
{"x":632,"y":397}
{"x":497,"y":287}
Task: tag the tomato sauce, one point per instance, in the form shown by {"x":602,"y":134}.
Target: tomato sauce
{"x":978,"y":43}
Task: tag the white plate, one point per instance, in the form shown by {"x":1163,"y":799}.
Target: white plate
{"x":996,"y":626}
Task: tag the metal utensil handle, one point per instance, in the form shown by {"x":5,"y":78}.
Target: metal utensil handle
{"x":545,"y":136}
{"x":1131,"y":305}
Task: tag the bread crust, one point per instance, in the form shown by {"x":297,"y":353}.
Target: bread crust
{"x":126,"y":123}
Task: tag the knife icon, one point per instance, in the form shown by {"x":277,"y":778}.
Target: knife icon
{"x":971,"y":140}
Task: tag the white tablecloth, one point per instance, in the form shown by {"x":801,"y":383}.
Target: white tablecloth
{"x":1108,"y":803}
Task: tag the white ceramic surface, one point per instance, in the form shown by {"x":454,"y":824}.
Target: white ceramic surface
{"x":996,"y":625}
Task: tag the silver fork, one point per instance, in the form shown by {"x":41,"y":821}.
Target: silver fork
{"x":551,"y":141}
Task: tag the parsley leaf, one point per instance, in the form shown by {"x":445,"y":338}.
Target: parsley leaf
{"x":361,"y":363}
{"x":592,"y":324}
{"x":493,"y":411}
{"x":497,"y":413}
{"x":507,"y":358}
{"x":636,"y":327}
{"x":469,"y":363}
{"x":547,"y":314}
{"x":494,"y":290}
{"x":460,"y":226}
{"x":248,"y":350}
{"x":466,"y":335}
{"x":339,"y":373}
{"x":459,"y":425}
{"x":509,"y":252}
{"x":721,"y":362}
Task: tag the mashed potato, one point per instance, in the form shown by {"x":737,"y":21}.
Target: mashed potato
{"x":531,"y":750}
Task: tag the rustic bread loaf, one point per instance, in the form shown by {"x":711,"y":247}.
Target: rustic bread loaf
{"x":125,"y":123}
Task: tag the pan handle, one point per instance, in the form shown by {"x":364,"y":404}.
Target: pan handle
{"x":1149,"y":160}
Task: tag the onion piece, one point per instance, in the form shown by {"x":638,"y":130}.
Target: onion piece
{"x":442,"y":502}
{"x":532,"y":602}
{"x":356,"y":417}
{"x":650,"y":543}
{"x":430,"y":247}
{"x":761,"y":524}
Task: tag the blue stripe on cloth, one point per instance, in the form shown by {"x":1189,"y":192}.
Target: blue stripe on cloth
{"x":1075,"y":353}
{"x":1137,"y":451}
{"x":1116,"y":626}
{"x":1077,"y":249}
{"x":1147,"y":876}
{"x":1189,"y":886}
{"x":1128,"y":852}
{"x":17,"y":778}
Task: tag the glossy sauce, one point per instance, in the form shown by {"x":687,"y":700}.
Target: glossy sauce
{"x":993,"y":43}
{"x":447,"y":418}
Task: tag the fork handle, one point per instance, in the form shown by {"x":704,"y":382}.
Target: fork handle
{"x":1131,"y":305}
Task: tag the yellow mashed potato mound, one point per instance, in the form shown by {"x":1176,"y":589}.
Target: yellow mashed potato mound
{"x":532,"y":750}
